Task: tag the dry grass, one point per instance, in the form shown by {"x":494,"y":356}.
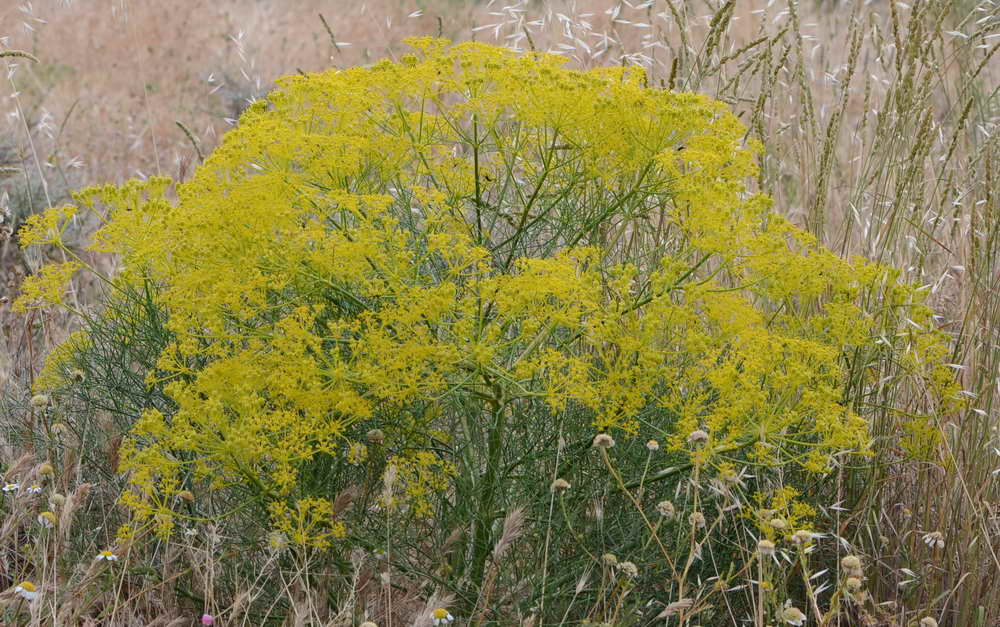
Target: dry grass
{"x":880,"y":123}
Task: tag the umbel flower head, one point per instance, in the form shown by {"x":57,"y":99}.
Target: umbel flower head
{"x":354,"y":222}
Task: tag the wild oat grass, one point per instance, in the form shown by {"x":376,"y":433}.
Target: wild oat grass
{"x":878,"y":128}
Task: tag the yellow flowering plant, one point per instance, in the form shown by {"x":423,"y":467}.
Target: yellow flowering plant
{"x":443,"y":247}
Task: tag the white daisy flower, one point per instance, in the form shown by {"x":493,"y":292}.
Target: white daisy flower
{"x":26,"y":590}
{"x":441,"y":616}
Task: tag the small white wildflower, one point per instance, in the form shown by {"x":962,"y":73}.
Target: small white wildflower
{"x":34,"y":488}
{"x":47,"y":520}
{"x":11,"y":487}
{"x":441,"y":616}
{"x":107,"y":556}
{"x":26,"y":590}
{"x":653,"y":446}
{"x":934,"y":539}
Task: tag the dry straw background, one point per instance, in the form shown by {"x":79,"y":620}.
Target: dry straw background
{"x":879,"y":119}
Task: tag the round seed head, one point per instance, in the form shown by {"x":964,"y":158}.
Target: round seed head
{"x":666,"y":509}
{"x":765,"y":547}
{"x":793,"y":616}
{"x":802,"y":536}
{"x":560,"y":485}
{"x":698,"y":437}
{"x":851,"y":562}
{"x":603,"y":440}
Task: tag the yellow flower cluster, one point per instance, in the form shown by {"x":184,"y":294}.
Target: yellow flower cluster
{"x":479,"y":223}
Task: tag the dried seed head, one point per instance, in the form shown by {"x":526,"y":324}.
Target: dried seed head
{"x":851,"y":562}
{"x":802,"y":536}
{"x":57,"y":500}
{"x":927,"y":621}
{"x":375,"y":436}
{"x":697,"y":519}
{"x":46,"y":469}
{"x":77,"y":375}
{"x":934,"y":539}
{"x":38,"y":401}
{"x":186,"y":495}
{"x":698,"y":437}
{"x":765,"y":547}
{"x":609,"y":559}
{"x":603,"y":440}
{"x":666,"y":509}
{"x":630,"y":569}
{"x":852,"y":566}
{"x":560,"y":485}
{"x":728,"y":475}
{"x":778,"y":523}
{"x":277,"y":540}
{"x":793,"y":616}
{"x":368,"y":623}
{"x":853,"y":584}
